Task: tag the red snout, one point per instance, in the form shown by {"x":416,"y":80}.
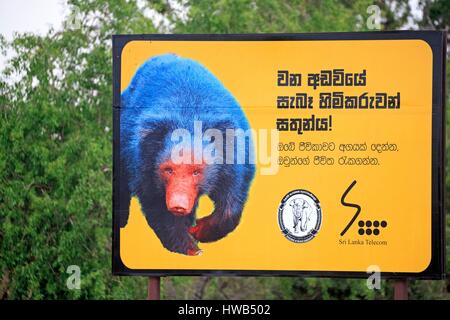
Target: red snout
{"x":181,"y":183}
{"x":179,"y":203}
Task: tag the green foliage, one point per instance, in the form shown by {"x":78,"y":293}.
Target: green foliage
{"x":55,"y":206}
{"x":55,"y":133}
{"x":436,"y":14}
{"x":268,"y":16}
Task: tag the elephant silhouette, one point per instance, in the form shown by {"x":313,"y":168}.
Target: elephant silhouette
{"x":301,"y":213}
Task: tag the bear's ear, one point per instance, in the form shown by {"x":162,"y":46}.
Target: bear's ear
{"x":222,"y":122}
{"x":224,"y":125}
{"x":154,"y":125}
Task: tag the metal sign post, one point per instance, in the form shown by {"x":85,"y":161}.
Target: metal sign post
{"x":401,"y":289}
{"x":154,"y":288}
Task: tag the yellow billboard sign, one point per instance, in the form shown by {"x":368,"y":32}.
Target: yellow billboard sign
{"x":314,"y":154}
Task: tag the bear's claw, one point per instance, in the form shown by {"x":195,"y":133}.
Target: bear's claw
{"x":194,"y":252}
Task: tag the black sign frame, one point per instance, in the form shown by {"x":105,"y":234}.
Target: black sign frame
{"x":435,"y":39}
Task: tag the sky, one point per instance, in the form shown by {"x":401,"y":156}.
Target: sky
{"x":30,"y":16}
{"x":36,"y":16}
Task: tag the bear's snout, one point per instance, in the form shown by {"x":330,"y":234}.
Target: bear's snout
{"x":181,"y":182}
{"x":179,"y":204}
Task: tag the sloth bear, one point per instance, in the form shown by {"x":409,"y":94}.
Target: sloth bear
{"x":167,"y":93}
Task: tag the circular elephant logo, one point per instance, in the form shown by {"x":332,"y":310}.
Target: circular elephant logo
{"x":300,"y":216}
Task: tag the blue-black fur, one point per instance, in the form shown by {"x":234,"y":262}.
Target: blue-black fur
{"x":169,"y":92}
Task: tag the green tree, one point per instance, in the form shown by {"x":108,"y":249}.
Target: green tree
{"x":55,"y":131}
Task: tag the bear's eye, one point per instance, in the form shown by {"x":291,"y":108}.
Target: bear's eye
{"x":168,"y":171}
{"x":196,"y":173}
